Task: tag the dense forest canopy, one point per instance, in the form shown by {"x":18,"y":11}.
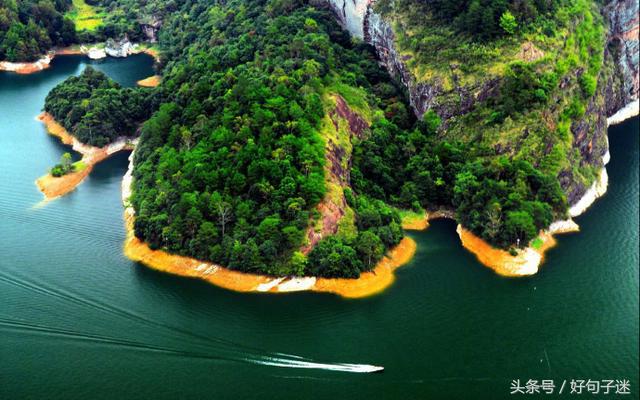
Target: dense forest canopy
{"x":231,"y":167}
{"x":490,"y":18}
{"x":481,"y":19}
{"x":96,"y":109}
{"x":29,"y":28}
{"x":232,"y":162}
{"x":502,"y":200}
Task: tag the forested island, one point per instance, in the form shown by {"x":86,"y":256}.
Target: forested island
{"x":279,"y":143}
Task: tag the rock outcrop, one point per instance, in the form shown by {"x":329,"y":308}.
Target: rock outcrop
{"x":622,"y":16}
{"x":95,"y":53}
{"x":150,"y":27}
{"x":360,"y":19}
{"x":616,"y":100}
{"x":119,"y":48}
{"x":618,"y":84}
{"x":333,"y":207}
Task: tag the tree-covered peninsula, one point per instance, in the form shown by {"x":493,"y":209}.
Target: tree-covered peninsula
{"x":277,"y":144}
{"x":96,"y":109}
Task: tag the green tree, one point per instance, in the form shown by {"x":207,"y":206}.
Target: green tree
{"x":520,"y":227}
{"x":508,"y":22}
{"x":370,"y":248}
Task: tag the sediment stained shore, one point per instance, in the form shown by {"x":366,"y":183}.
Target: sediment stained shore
{"x":525,"y":263}
{"x":419,"y":222}
{"x":149,"y":82}
{"x":27,"y":67}
{"x":52,"y":186}
{"x":367,"y":284}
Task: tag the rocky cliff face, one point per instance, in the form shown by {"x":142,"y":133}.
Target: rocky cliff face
{"x":359,"y":18}
{"x":351,"y":15}
{"x":624,"y":49}
{"x":617,"y":87}
{"x":618,"y":84}
{"x":150,"y":27}
{"x":333,"y":206}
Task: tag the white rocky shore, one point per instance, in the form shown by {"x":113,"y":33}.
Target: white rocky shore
{"x":629,"y":111}
{"x":599,"y":187}
{"x":112,"y":48}
{"x":563,"y":226}
{"x":26,"y":67}
{"x":127,"y":181}
{"x":95,"y":53}
{"x":597,"y":190}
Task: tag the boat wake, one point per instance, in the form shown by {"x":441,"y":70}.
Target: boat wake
{"x":293,"y":362}
{"x":227,"y":350}
{"x":342,"y":367}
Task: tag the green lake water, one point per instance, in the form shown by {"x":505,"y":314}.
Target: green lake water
{"x":78,"y":320}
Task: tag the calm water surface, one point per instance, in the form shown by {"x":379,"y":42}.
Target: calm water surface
{"x":78,"y":320}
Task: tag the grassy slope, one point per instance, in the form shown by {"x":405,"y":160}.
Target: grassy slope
{"x":85,"y":16}
{"x":572,"y":43}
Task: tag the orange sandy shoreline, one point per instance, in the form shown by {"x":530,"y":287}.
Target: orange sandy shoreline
{"x":525,"y":263}
{"x":415,"y":223}
{"x":150,"y":82}
{"x":368,"y":284}
{"x":53,"y":187}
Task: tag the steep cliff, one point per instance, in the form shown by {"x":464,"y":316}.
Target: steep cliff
{"x":617,"y":88}
{"x":362,"y":21}
{"x":624,"y":51}
{"x":455,"y":90}
{"x":150,"y":26}
{"x":340,"y":126}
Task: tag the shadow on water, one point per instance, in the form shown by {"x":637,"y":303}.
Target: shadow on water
{"x":113,"y":167}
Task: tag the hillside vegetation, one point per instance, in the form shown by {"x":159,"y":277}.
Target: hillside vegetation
{"x":271,"y":126}
{"x":540,"y":72}
{"x":231,"y":166}
{"x":85,"y":16}
{"x":29,"y":28}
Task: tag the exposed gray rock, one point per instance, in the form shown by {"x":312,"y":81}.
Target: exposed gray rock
{"x":359,"y":18}
{"x":119,"y":48}
{"x":617,"y":87}
{"x":618,"y":83}
{"x":622,"y":16}
{"x":150,"y":27}
{"x":351,"y":15}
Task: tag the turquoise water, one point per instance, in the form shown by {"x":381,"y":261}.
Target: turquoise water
{"x":78,"y":320}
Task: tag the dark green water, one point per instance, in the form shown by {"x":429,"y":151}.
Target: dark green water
{"x":79,"y":321}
